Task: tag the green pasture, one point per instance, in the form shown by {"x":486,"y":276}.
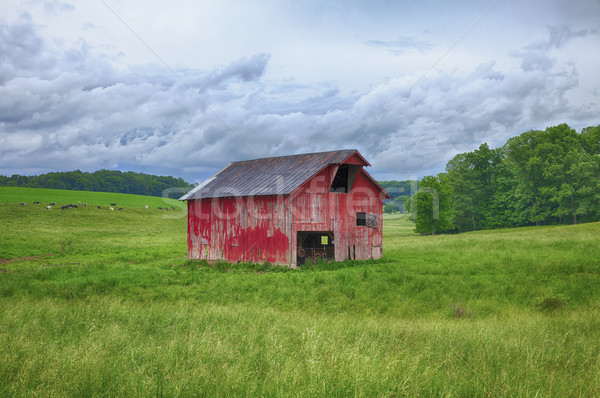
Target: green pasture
{"x":101,"y":303}
{"x":11,"y":195}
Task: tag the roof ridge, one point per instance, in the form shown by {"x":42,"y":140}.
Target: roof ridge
{"x":297,"y":154}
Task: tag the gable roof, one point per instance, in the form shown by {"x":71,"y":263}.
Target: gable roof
{"x":268,"y":176}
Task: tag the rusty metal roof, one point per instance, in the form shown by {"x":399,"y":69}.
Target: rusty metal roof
{"x":267,"y":176}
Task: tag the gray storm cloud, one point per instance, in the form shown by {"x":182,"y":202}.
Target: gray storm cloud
{"x":68,"y":109}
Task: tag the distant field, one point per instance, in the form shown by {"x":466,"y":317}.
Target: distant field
{"x":62,"y":197}
{"x":100,"y":303}
{"x":397,"y":225}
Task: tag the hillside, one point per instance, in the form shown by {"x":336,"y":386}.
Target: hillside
{"x":400,"y":191}
{"x":103,"y":181}
{"x":61,"y":197}
{"x":104,"y":303}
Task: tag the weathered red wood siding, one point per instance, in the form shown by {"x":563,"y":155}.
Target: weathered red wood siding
{"x":239,"y":229}
{"x":264,"y":228}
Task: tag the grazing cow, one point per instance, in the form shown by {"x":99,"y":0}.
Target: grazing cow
{"x":172,"y":208}
{"x":120,"y":208}
{"x":113,"y":204}
{"x":98,"y":207}
{"x":166,"y":209}
{"x":52,"y":204}
{"x":160,"y":208}
{"x":146,"y":207}
{"x":64,"y":207}
{"x":84,"y":205}
{"x":48,"y":207}
{"x":111,"y":209}
{"x":80,"y":204}
{"x":22,"y":204}
{"x":37,"y":203}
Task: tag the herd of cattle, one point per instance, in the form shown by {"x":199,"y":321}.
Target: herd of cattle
{"x":79,"y":204}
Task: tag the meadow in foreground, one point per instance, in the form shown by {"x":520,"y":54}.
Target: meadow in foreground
{"x":104,"y":303}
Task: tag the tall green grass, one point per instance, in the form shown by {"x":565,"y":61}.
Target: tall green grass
{"x":105,"y":303}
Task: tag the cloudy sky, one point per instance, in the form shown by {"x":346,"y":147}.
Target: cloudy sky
{"x":182,"y":88}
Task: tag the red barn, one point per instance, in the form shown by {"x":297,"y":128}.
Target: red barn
{"x":288,"y":210}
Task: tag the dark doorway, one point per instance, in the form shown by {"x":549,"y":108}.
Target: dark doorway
{"x":314,"y":246}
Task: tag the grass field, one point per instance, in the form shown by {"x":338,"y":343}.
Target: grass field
{"x":100,"y":303}
{"x":9,"y":195}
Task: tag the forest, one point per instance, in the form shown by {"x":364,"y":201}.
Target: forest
{"x":537,"y":178}
{"x":101,"y":181}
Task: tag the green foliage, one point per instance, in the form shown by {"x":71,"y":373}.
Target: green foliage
{"x":399,"y":188}
{"x":557,"y":179}
{"x":474,"y":180}
{"x":591,"y":139}
{"x":431,"y":207}
{"x":121,"y":312}
{"x":400,"y":191}
{"x":103,"y":181}
{"x":536,"y":178}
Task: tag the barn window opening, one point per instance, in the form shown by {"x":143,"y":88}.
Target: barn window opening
{"x":366,"y":220}
{"x":340,"y":181}
{"x":361,"y":219}
{"x":344,"y":178}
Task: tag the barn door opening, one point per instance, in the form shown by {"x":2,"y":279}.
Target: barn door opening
{"x":314,"y":246}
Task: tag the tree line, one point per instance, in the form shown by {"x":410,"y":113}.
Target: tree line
{"x":400,"y":191}
{"x":537,"y":178}
{"x":101,"y":181}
